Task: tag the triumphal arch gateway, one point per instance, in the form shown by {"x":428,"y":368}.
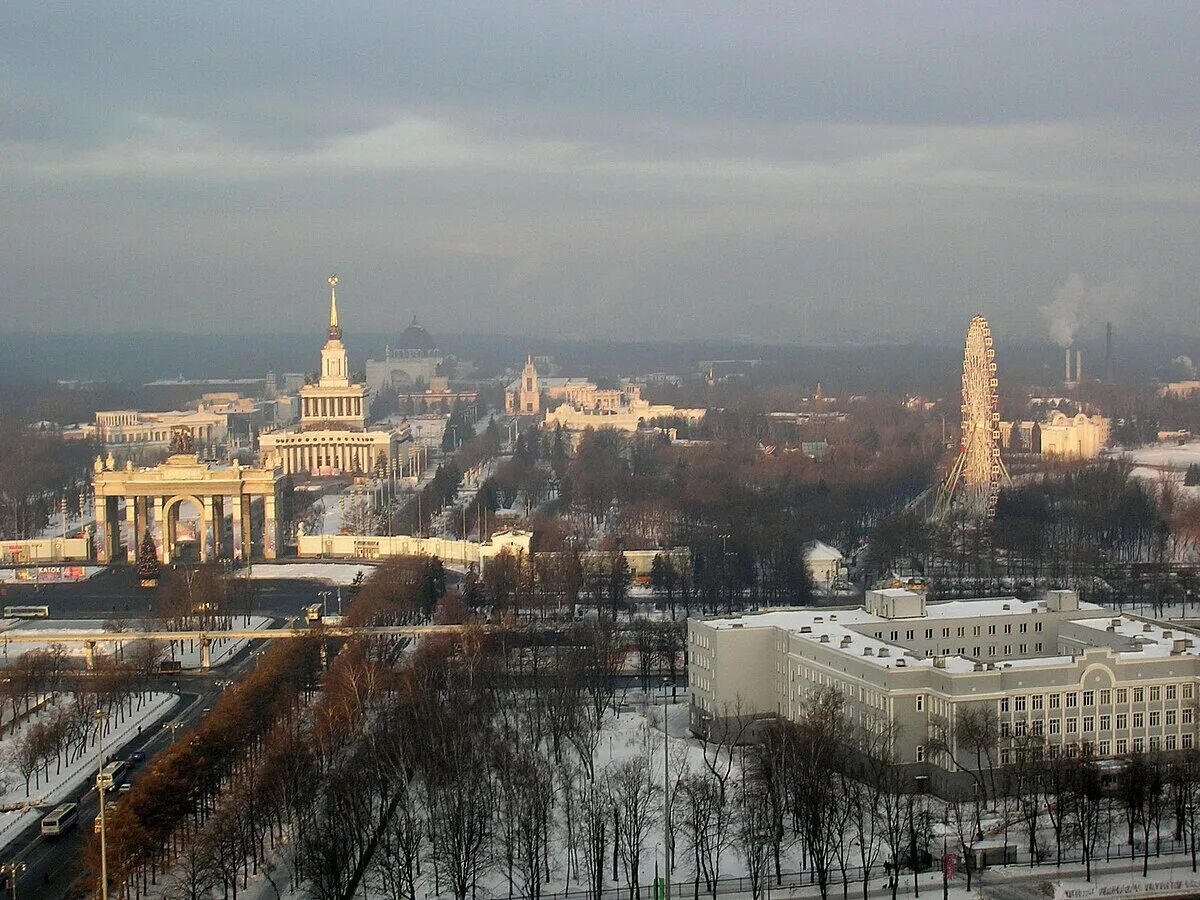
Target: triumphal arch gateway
{"x":152,"y":499}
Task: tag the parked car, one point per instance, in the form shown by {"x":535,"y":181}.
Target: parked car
{"x":137,"y":756}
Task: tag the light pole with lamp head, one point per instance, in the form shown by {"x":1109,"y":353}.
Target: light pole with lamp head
{"x":666,"y":798}
{"x":14,"y":870}
{"x":99,"y":717}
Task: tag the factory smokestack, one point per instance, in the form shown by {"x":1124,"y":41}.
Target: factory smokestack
{"x":1108,"y":356}
{"x":1067,"y":376}
{"x":1079,"y":367}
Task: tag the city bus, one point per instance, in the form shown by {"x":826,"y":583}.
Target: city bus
{"x":60,"y":820}
{"x":111,"y":773}
{"x":26,"y":612}
{"x":313,"y":613}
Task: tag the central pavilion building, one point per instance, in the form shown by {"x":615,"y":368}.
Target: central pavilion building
{"x":332,"y":437}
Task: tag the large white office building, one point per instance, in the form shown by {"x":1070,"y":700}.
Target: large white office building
{"x":1067,"y":673}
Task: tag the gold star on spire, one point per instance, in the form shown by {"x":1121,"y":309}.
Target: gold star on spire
{"x":333,"y":313}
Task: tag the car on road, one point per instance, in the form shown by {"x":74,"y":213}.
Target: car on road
{"x":137,"y":756}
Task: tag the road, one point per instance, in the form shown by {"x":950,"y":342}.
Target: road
{"x":115,"y":593}
{"x":54,"y":866}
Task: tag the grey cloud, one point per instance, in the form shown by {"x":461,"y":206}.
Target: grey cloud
{"x":758,"y":170}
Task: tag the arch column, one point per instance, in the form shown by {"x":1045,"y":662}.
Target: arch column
{"x":131,"y":541}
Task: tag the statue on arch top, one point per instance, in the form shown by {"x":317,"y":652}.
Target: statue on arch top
{"x":182,"y":441}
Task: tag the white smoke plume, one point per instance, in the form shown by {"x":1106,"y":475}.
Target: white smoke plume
{"x":1063,"y":314}
{"x":1107,"y":301}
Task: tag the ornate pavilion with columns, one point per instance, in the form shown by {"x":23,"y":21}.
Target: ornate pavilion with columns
{"x":333,"y":437}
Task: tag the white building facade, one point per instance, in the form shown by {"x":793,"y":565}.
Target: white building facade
{"x":1057,"y":672}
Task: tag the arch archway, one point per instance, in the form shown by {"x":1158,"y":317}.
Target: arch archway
{"x":170,"y":526}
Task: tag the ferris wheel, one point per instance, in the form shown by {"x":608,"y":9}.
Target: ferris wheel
{"x":973,"y":483}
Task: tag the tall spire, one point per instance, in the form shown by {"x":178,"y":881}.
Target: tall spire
{"x":335,"y":329}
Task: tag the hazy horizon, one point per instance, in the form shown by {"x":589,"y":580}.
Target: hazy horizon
{"x":746,"y":172}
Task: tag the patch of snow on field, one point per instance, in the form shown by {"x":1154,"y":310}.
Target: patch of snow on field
{"x":1176,"y":456}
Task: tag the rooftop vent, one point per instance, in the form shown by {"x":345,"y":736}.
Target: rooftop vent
{"x":939,"y":662}
{"x":978,"y":667}
{"x":1006,"y":607}
{"x":1114,"y":622}
{"x":867,"y":651}
{"x":846,"y":640}
{"x":901,"y":662}
{"x":806,"y":629}
{"x":824,"y":639}
{"x":884,"y":651}
{"x":833,"y":617}
{"x":1147,"y":627}
{"x":1179,"y":645}
{"x":1166,"y":635}
{"x":818,"y":618}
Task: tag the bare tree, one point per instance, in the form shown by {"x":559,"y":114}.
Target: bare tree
{"x":634,"y":795}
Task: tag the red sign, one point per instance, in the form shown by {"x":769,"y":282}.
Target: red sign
{"x":948,"y":865}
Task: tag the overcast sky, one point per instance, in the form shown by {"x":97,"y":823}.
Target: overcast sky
{"x":776,"y":172}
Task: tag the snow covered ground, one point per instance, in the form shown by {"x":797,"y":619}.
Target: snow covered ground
{"x":63,"y":782}
{"x":331,"y":572}
{"x":188,"y":653}
{"x":1175,"y":456}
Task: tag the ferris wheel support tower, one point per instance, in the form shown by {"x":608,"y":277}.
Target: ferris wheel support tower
{"x":973,"y":482}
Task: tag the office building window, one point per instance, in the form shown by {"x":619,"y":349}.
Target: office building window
{"x":1037,"y":701}
{"x":1122,"y":721}
{"x":1089,"y":724}
{"x":1171,"y":717}
{"x":1122,"y":746}
{"x":1105,"y":748}
{"x":1072,"y":725}
{"x":1155,"y":693}
{"x":1186,"y":740}
{"x":1105,"y":697}
{"x":1187,"y":691}
{"x":1171,"y":740}
{"x":1089,"y":698}
{"x":1170,"y":692}
{"x":1185,"y":715}
{"x":1054,"y":726}
{"x":1055,"y":700}
{"x":920,"y":705}
{"x":1155,"y":718}
{"x":1139,"y":695}
{"x":1105,"y":723}
{"x":1020,"y":704}
{"x":1139,"y":720}
{"x":1138,"y":745}
{"x":920,"y":753}
{"x":1072,"y":700}
{"x":1122,"y":695}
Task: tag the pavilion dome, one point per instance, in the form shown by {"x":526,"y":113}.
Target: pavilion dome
{"x":415,"y":337}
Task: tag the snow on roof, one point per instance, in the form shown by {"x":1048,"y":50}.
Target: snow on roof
{"x":1154,"y":640}
{"x":821,"y":550}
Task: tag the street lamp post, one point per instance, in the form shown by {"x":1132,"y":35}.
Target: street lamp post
{"x":945,"y":869}
{"x":99,"y":717}
{"x":666,"y":800}
{"x":14,"y":870}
